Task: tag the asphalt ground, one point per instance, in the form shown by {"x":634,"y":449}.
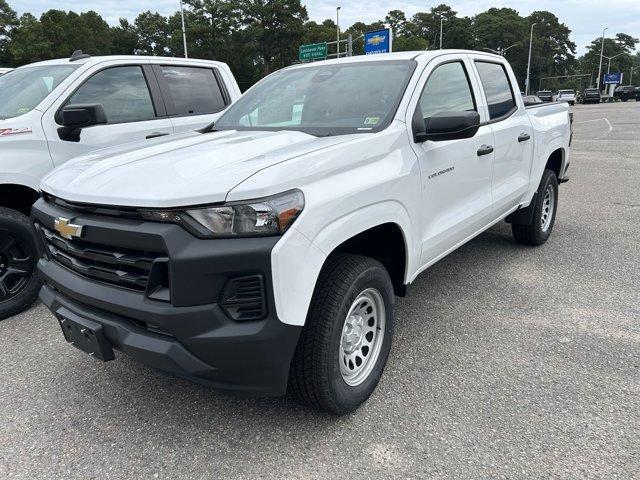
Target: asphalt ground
{"x":508,"y":362}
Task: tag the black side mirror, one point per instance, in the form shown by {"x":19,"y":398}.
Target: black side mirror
{"x":447,"y":126}
{"x":77,"y":117}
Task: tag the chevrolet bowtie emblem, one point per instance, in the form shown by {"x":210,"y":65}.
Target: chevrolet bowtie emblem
{"x":66,"y":229}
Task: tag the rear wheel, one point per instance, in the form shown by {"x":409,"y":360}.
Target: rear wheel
{"x":19,"y":285}
{"x":544,"y":213}
{"x":345,"y":343}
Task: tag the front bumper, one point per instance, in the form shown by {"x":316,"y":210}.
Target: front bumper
{"x":190,"y":336}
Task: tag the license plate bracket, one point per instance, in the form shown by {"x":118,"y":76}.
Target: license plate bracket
{"x":87,"y":336}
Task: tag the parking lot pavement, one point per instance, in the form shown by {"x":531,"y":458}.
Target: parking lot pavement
{"x":507,"y":362}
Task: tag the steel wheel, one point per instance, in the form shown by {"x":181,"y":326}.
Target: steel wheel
{"x":548,"y":206}
{"x":16,"y":266}
{"x":362,"y":337}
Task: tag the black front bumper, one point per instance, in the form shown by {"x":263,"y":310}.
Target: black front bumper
{"x":190,"y":336}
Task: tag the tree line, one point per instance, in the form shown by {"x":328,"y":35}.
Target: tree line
{"x":256,"y":37}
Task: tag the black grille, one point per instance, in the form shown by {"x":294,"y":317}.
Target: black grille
{"x":124,"y":267}
{"x":243,"y":298}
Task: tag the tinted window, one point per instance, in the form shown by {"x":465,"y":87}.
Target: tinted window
{"x":497,"y":88}
{"x":447,"y":90}
{"x":192,"y":91}
{"x":122,"y":92}
{"x":323,"y":99}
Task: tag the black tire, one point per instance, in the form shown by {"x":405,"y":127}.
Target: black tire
{"x":19,"y":284}
{"x":625,"y":98}
{"x":534,"y":233}
{"x":316,"y":377}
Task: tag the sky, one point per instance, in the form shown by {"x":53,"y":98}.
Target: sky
{"x":586,"y":18}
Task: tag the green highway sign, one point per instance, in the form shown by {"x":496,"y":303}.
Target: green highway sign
{"x":314,"y":51}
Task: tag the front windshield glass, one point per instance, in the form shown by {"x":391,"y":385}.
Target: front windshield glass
{"x":23,"y":89}
{"x":323,"y":100}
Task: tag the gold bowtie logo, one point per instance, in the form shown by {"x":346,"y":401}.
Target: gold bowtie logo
{"x":66,"y":229}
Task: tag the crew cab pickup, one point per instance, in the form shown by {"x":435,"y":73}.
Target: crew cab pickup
{"x":264,"y":253}
{"x":55,"y":110}
{"x":568,"y":96}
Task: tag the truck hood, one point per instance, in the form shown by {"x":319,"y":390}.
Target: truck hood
{"x":177,"y":171}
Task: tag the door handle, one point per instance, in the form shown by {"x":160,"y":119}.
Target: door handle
{"x":485,"y":150}
{"x":156,"y":135}
{"x":524,"y":137}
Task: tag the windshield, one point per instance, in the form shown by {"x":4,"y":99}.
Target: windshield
{"x":23,"y":89}
{"x":323,"y":100}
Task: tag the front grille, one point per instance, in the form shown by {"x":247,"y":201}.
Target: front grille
{"x":124,"y":267}
{"x":244,"y":298}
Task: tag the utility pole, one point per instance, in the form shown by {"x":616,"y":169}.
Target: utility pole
{"x":526,"y":88}
{"x":441,"y":20}
{"x":184,"y":32}
{"x":601,"y":52}
{"x":338,"y":30}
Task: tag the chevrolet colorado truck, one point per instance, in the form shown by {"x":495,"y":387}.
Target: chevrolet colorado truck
{"x":55,"y":110}
{"x":264,"y":253}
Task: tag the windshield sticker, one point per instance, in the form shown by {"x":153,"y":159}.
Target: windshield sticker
{"x":371,"y":120}
{"x":5,"y":132}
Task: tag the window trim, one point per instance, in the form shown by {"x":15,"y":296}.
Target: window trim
{"x":156,"y":107}
{"x":513,"y":109}
{"x":466,"y":73}
{"x":166,"y":93}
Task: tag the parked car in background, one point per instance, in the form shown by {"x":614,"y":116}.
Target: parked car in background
{"x":54,"y":110}
{"x":590,"y":95}
{"x":625,"y":93}
{"x":5,"y":70}
{"x":531,"y":100}
{"x":265,"y":252}
{"x":545,"y":95}
{"x":568,"y":96}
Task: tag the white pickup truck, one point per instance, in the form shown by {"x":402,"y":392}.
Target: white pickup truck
{"x":55,"y":110}
{"x":264,"y":253}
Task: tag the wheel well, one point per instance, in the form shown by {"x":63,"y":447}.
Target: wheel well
{"x":555,"y":162}
{"x":386,"y":244}
{"x":18,"y":197}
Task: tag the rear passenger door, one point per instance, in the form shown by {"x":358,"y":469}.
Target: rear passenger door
{"x":513,"y":134}
{"x":194,"y":96}
{"x":131,"y":101}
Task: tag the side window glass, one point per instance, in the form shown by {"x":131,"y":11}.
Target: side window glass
{"x":497,"y":89}
{"x":447,"y":90}
{"x":192,"y":90}
{"x":122,"y":92}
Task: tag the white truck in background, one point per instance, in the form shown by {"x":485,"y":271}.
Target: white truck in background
{"x":264,"y":254}
{"x":54,"y":110}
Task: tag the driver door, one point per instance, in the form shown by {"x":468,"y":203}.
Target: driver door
{"x":455,"y":174}
{"x":125,"y":92}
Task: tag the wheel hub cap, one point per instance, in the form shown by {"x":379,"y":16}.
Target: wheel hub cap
{"x":548,"y":205}
{"x":362,"y":336}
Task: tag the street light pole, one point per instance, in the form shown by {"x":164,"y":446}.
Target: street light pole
{"x":441,"y":20}
{"x":338,"y":31}
{"x":526,"y":88}
{"x":184,"y":32}
{"x":601,"y":52}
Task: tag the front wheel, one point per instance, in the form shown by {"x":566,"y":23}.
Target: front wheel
{"x":345,"y":343}
{"x":544,"y":213}
{"x":19,"y":285}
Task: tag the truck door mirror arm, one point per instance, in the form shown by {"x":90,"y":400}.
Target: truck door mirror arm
{"x":445,"y":126}
{"x":77,"y":117}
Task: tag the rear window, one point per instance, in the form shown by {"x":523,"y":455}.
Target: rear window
{"x":567,"y":92}
{"x":497,"y":89}
{"x":191,"y":90}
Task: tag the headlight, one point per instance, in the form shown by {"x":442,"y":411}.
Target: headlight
{"x":253,"y":218}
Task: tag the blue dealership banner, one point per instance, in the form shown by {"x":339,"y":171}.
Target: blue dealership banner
{"x":612,"y":78}
{"x":379,"y":41}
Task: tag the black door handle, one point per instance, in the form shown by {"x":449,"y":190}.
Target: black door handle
{"x":524,"y":137}
{"x":156,"y":135}
{"x":485,"y":150}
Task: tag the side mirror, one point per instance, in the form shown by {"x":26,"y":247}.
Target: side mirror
{"x":447,"y":126}
{"x":77,"y":117}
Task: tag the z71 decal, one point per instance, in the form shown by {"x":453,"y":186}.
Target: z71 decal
{"x":5,"y":132}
